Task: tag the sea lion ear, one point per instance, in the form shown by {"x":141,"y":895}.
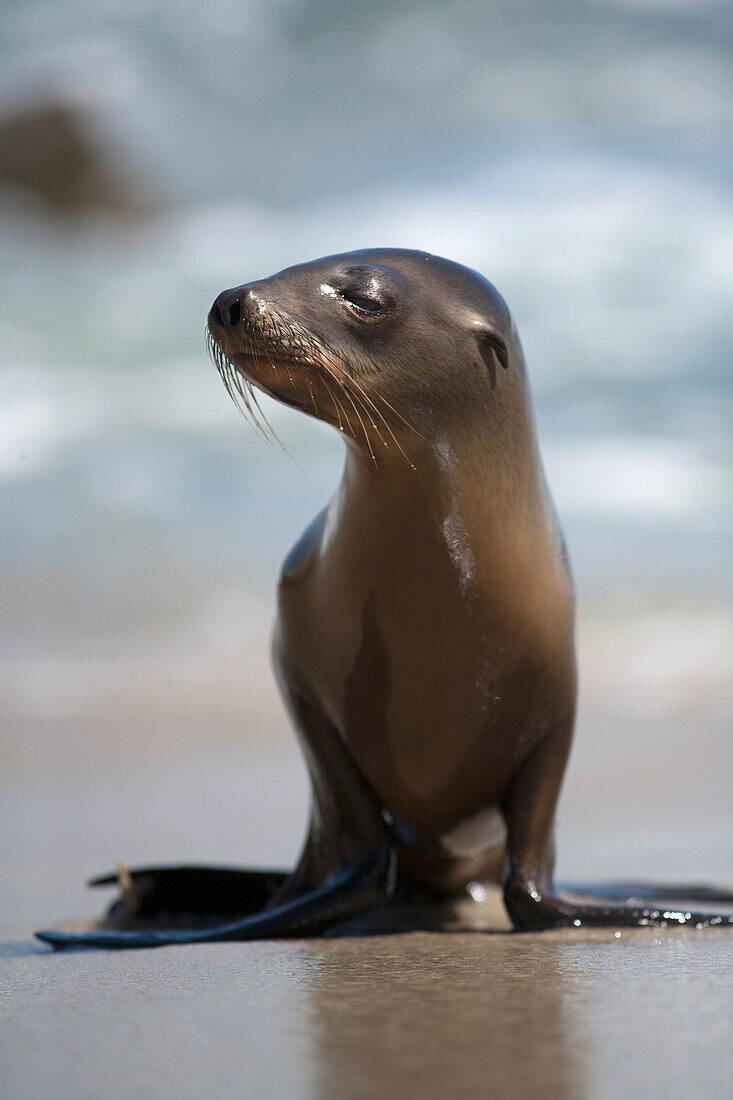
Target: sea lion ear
{"x":492,"y":346}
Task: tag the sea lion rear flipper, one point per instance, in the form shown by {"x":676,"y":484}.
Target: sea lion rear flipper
{"x":347,"y":894}
{"x":533,"y":903}
{"x":154,"y":893}
{"x":347,"y":865}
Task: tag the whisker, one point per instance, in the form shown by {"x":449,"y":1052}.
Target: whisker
{"x":380,"y":414}
{"x":367,"y":437}
{"x":244,"y":386}
{"x":256,"y":401}
{"x":241,"y":392}
{"x":348,"y":378}
{"x":339,"y":407}
{"x":314,"y":403}
{"x":305,"y":349}
{"x":385,"y":402}
{"x":365,"y":402}
{"x":345,"y":379}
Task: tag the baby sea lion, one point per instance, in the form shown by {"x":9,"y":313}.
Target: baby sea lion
{"x":424,"y":643}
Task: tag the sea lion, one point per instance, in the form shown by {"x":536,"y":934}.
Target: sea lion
{"x":424,"y":643}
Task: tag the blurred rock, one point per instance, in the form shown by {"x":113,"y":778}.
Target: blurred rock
{"x":49,"y":149}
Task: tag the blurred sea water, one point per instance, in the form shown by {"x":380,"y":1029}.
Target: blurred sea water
{"x":576,"y":153}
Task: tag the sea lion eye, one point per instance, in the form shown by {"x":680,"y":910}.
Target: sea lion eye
{"x":363,"y":303}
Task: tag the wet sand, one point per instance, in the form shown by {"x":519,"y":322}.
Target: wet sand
{"x":560,"y":1015}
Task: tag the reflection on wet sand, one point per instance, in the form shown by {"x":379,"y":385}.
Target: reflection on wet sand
{"x":427,"y":1015}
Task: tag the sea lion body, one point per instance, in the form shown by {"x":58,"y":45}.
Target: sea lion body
{"x":399,"y":614}
{"x":429,"y":610}
{"x":424,"y":640}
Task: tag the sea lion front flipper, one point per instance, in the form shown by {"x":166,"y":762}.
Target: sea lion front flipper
{"x":347,"y":894}
{"x":187,"y":892}
{"x":533,"y":910}
{"x":531,"y":900}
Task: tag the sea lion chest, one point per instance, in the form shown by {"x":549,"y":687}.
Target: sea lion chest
{"x":396,"y":620}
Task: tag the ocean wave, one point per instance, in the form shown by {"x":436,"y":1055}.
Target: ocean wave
{"x":618,"y":312}
{"x":624,"y":476}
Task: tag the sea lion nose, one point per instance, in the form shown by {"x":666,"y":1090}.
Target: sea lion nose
{"x":227,"y":309}
{"x":234,"y":312}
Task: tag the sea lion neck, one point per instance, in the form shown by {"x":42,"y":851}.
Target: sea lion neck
{"x":427,"y":477}
{"x":489,"y":454}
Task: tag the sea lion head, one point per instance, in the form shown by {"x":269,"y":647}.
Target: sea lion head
{"x":378,"y":343}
